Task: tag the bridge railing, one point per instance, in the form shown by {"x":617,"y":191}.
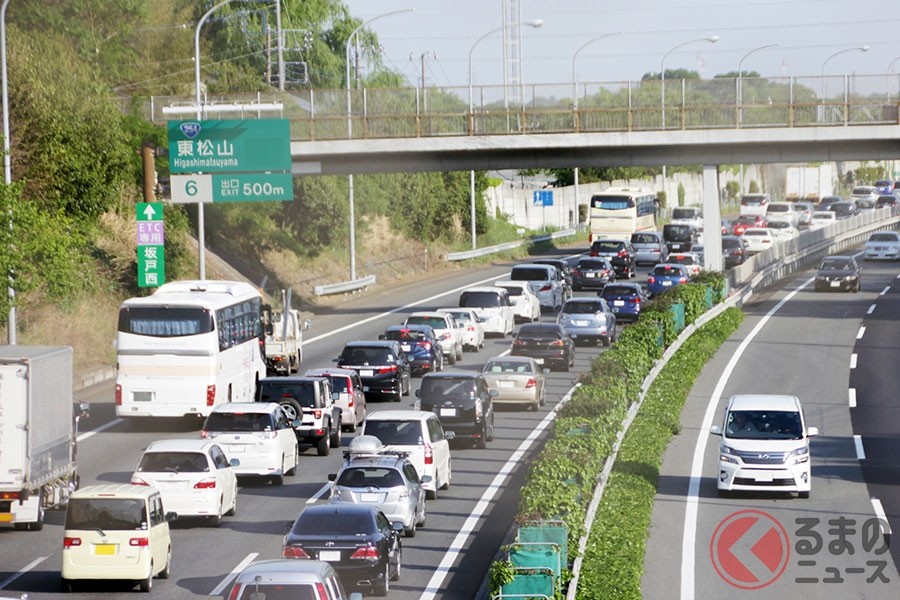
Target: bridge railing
{"x":681,"y":104}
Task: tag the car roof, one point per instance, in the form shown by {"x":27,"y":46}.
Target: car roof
{"x":329,"y":371}
{"x":246,"y":407}
{"x":284,"y":570}
{"x":506,"y":282}
{"x":532,"y":265}
{"x":452,"y":375}
{"x":364,"y":344}
{"x":539,"y":327}
{"x":618,"y":284}
{"x":123,"y":490}
{"x":399,"y":414}
{"x":757,"y":230}
{"x":294,"y":378}
{"x":182,"y":445}
{"x":763,"y":402}
{"x":411,"y":327}
{"x":387,"y":459}
{"x":339,"y":508}
{"x":485,"y":288}
{"x":510,"y":358}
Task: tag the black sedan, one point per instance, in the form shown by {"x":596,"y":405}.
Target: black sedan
{"x":382,"y":366}
{"x":838,"y":273}
{"x":357,"y":540}
{"x":547,"y":343}
{"x":592,"y":273}
{"x":420,"y":345}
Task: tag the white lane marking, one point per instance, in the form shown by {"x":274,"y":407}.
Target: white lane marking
{"x":852,"y":394}
{"x":692,"y":500}
{"x":853,"y":360}
{"x":881,"y":516}
{"x":21,"y":572}
{"x":885,"y":291}
{"x":860,"y":453}
{"x":89,"y":434}
{"x":861,"y":332}
{"x":320,"y":493}
{"x":411,"y":305}
{"x":871,"y":310}
{"x":217,"y":591}
{"x":457,"y":546}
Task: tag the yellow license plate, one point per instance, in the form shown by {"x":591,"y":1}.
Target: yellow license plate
{"x":105,"y":549}
{"x":6,"y":517}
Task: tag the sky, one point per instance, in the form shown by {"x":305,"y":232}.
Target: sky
{"x":808,"y":33}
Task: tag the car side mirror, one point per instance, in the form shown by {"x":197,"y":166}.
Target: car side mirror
{"x":811,"y":431}
{"x":449,"y":435}
{"x":397,"y":526}
{"x":307,"y":324}
{"x":234,"y":462}
{"x":715,"y":430}
{"x":332,"y":476}
{"x":426,"y":479}
{"x":171,"y":516}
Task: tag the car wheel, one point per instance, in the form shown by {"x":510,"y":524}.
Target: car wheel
{"x":335,"y":437}
{"x":164,"y":574}
{"x":459,"y":355}
{"x":350,"y":427}
{"x":452,"y":359}
{"x":803,"y":494}
{"x":431,"y":494}
{"x":481,"y":442}
{"x":421,"y":522}
{"x":396,"y":576}
{"x":322,"y":446}
{"x":858,"y":284}
{"x":147,"y":584}
{"x":606,"y":340}
{"x":490,"y":435}
{"x":411,"y":532}
{"x":233,"y":510}
{"x":381,"y":587}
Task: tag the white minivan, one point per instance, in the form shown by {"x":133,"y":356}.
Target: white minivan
{"x":493,"y":306}
{"x":116,"y":531}
{"x":765,"y":445}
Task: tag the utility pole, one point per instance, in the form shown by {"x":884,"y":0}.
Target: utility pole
{"x":422,"y":60}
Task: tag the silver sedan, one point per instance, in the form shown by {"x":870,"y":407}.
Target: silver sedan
{"x":517,"y":380}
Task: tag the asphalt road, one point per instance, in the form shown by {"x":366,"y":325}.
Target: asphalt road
{"x":440,"y":562}
{"x":816,"y":346}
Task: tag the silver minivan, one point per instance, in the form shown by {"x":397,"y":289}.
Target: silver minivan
{"x":289,"y":578}
{"x":545,"y":281}
{"x":649,"y":247}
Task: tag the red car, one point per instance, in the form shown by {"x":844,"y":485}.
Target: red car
{"x":745,"y":222}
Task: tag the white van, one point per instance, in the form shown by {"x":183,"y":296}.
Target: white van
{"x":116,"y":532}
{"x":755,"y":204}
{"x":493,"y":305}
{"x":765,"y":445}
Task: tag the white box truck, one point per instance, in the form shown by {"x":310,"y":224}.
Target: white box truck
{"x":38,"y":430}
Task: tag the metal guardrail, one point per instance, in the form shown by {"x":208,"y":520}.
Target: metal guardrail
{"x":345,"y":286}
{"x":467,"y":254}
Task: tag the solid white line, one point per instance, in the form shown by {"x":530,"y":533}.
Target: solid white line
{"x":89,"y":434}
{"x":861,"y":332}
{"x":457,"y":546}
{"x":320,"y":493}
{"x":881,"y":516}
{"x":22,"y":571}
{"x":853,"y":360}
{"x":234,"y":573}
{"x":871,"y":310}
{"x":860,"y":453}
{"x":852,"y":395}
{"x":885,"y":291}
{"x":692,"y":506}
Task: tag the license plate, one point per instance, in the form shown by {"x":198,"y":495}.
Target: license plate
{"x":104,"y":549}
{"x":580,"y":323}
{"x":835,"y":284}
{"x":539,"y":361}
{"x":365,"y":388}
{"x":142,"y":396}
{"x":405,"y":347}
{"x":368,"y":497}
{"x":330,"y":555}
{"x":236,"y":449}
{"x":366,"y":373}
{"x":666,"y":283}
{"x":764,"y":477}
{"x":506,"y":384}
{"x":618,"y":303}
{"x":591,"y":274}
{"x":447,"y":412}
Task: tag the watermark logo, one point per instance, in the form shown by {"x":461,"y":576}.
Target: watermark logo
{"x":750,"y":549}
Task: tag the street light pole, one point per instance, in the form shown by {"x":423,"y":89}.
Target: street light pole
{"x":575,"y":97}
{"x":890,"y":72}
{"x":7,"y":171}
{"x":350,"y":135}
{"x":534,"y":24}
{"x":662,"y":89}
{"x":739,"y":98}
{"x":838,"y":53}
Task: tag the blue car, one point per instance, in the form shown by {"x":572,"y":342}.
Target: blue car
{"x":624,"y":300}
{"x":666,"y":276}
{"x":420,"y":345}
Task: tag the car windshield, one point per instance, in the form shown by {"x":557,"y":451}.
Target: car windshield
{"x":434,"y":322}
{"x":529,"y":274}
{"x":340,"y":384}
{"x":836,"y":264}
{"x":303,"y":392}
{"x":362,"y":356}
{"x":607,"y":246}
{"x":644,"y":238}
{"x":512,"y":290}
{"x":446,"y":388}
{"x":277,"y":591}
{"x":581,"y":307}
{"x":842,"y":209}
{"x":619,"y":290}
{"x":479,"y":300}
{"x":591,"y":265}
{"x":405,"y":335}
{"x":683,"y":213}
{"x":883,"y":237}
{"x":538,"y":333}
{"x":217,"y":421}
{"x":396,"y":433}
{"x":333,"y":523}
{"x":461,"y":316}
{"x":677,"y":232}
{"x":175,"y":462}
{"x":380,"y":477}
{"x":762,"y":424}
{"x":667,"y":271}
{"x":755,"y":233}
{"x":106,"y":513}
{"x":779,"y":225}
{"x":779,"y":208}
{"x":505,"y":366}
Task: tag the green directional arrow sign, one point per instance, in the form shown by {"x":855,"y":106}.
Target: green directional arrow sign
{"x":151,"y":260}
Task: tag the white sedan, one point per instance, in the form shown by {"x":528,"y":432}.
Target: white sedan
{"x":193,"y":476}
{"x":782,"y":230}
{"x":822,"y":218}
{"x":883,"y":245}
{"x":526,"y":305}
{"x":758,"y":239}
{"x":470,"y":325}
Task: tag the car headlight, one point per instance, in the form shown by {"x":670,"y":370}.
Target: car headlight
{"x":799,"y":456}
{"x":728,"y":455}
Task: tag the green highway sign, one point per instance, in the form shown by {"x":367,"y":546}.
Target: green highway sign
{"x":151,"y":260}
{"x":229,"y":146}
{"x":234,"y":187}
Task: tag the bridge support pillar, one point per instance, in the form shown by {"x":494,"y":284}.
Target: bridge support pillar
{"x":712,"y":219}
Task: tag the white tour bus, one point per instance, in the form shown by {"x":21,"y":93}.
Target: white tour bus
{"x":617,"y":212}
{"x":188,"y":347}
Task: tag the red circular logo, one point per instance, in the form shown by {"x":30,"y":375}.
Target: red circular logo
{"x":749,"y":549}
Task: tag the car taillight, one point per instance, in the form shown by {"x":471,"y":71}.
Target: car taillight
{"x":140,"y":542}
{"x":634,"y":300}
{"x":594,"y":253}
{"x":294,"y":552}
{"x":429,"y":455}
{"x":682,"y":280}
{"x":426,"y":345}
{"x":446,"y":335}
{"x":71,"y":542}
{"x":139,"y":481}
{"x":118,"y":394}
{"x":556,"y":343}
{"x":204,"y":435}
{"x":531,"y":382}
{"x":366,"y":552}
{"x":391,"y":369}
{"x":546,"y":288}
{"x":351,"y":402}
{"x":206,"y":484}
{"x":622,"y":253}
{"x":651,"y":279}
{"x":211,"y":395}
{"x":470,"y":328}
{"x":321,"y":594}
